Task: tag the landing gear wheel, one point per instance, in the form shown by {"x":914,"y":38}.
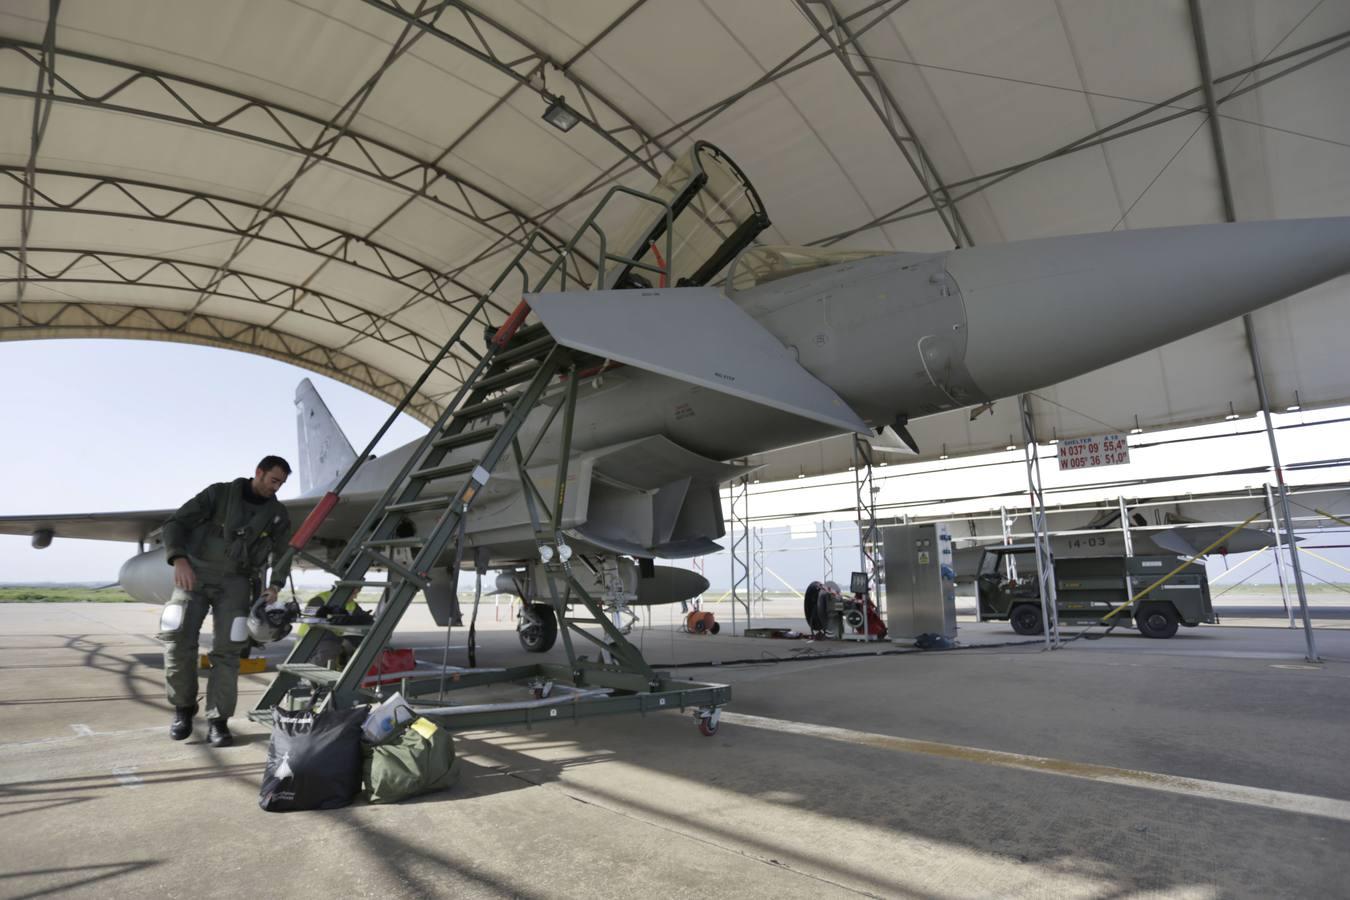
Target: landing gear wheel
{"x":537,"y":627}
{"x":1026,"y":619}
{"x":1157,"y":620}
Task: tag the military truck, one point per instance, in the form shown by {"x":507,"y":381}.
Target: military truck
{"x":1090,"y":587}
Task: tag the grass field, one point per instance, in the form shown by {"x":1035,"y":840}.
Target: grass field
{"x":42,"y":594}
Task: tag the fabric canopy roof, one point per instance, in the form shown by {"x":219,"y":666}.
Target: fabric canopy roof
{"x":333,"y":183}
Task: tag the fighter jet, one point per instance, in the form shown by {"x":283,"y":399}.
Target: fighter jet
{"x":796,"y":345}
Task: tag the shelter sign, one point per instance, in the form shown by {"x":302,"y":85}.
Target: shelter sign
{"x":1090,"y":452}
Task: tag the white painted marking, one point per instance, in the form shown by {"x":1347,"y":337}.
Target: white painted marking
{"x":1284,"y":801}
{"x":82,"y":730}
{"x":126,"y":777}
{"x":1284,"y":666}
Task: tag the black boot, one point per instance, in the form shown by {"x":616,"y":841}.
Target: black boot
{"x":218,"y":735}
{"x":181,"y":728}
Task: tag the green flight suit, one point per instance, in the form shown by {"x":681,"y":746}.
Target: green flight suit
{"x":229,"y":536}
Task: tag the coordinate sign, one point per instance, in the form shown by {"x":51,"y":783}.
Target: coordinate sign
{"x":1090,"y":452}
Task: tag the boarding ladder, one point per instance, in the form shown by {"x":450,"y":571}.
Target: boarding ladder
{"x":508,"y":380}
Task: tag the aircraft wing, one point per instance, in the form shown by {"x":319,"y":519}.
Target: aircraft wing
{"x":696,"y":335}
{"x":133,"y":526}
{"x":119,"y":526}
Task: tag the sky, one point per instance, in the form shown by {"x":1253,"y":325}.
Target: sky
{"x":104,"y":425}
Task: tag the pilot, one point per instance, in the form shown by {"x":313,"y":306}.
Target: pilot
{"x":220,"y":543}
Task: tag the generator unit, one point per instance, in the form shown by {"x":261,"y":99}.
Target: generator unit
{"x":920,"y":580}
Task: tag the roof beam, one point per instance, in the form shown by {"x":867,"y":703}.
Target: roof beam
{"x":42,"y":110}
{"x":82,"y":266}
{"x":1328,"y":46}
{"x":323,"y":146}
{"x":839,"y":36}
{"x":523,"y":69}
{"x":102,"y":195}
{"x":43,"y":319}
{"x":277,"y":126}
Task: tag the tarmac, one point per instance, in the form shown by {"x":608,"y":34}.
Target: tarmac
{"x":1212,"y":765}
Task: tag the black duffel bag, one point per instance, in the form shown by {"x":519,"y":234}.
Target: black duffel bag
{"x":313,"y":759}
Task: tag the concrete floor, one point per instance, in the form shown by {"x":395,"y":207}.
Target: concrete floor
{"x":834,"y":776}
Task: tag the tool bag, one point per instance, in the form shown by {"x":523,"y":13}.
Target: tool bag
{"x":417,"y":760}
{"x":313,"y":759}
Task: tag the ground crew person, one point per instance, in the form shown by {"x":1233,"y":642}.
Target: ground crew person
{"x":219,"y":544}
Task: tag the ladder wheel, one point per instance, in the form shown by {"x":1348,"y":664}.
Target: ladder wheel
{"x":537,"y":628}
{"x":706,"y":727}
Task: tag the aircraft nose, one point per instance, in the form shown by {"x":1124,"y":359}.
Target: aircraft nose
{"x":1042,"y":311}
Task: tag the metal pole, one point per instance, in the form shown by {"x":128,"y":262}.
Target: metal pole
{"x":1278,"y":549}
{"x":1125,"y":528}
{"x":1045,"y":561}
{"x":1283,"y":490}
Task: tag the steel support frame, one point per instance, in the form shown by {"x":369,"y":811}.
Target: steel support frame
{"x":1040,"y":532}
{"x":107,"y":196}
{"x":527,"y":70}
{"x":869,"y":535}
{"x":1278,"y":550}
{"x":139,"y":269}
{"x":1334,"y":44}
{"x":1125,"y":526}
{"x":287,"y":129}
{"x":839,"y":36}
{"x":738,"y":534}
{"x":827,"y":548}
{"x":42,"y":109}
{"x":1211,"y":107}
{"x":757,"y":572}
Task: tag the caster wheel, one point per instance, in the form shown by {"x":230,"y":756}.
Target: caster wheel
{"x":706,"y":727}
{"x":538,"y":693}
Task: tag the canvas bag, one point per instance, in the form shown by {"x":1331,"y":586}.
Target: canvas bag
{"x":313,"y":760}
{"x":417,"y":760}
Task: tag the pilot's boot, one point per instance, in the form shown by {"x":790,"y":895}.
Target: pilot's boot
{"x":218,"y":734}
{"x":181,"y":727}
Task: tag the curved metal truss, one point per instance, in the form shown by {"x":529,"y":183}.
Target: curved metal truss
{"x":79,"y":266}
{"x":79,"y":319}
{"x":126,"y":198}
{"x":488,"y":36}
{"x":181,"y":101}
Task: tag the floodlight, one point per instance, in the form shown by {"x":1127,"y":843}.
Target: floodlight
{"x":560,"y":115}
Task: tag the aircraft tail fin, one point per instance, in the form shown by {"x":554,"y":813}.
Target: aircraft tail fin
{"x":325,"y":452}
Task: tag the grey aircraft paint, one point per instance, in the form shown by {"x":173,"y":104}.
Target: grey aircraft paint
{"x":893,"y":337}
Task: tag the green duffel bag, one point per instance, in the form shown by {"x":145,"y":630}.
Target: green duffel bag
{"x":419,"y":759}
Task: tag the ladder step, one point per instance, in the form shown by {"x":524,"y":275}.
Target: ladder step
{"x":344,"y":630}
{"x":438,"y":502}
{"x":464,"y":438}
{"x":447,"y":470}
{"x":477,"y":409}
{"x":395,"y":542}
{"x":522,"y":372}
{"x":532,"y":349}
{"x":358,"y":583}
{"x":311,"y":673}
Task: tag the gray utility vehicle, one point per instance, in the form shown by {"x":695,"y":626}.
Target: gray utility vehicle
{"x":1089,"y":588}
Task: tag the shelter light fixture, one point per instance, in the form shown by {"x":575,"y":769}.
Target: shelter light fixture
{"x":1137,"y":429}
{"x":1232,"y":413}
{"x":559,"y":114}
{"x":1296,"y":405}
{"x":1011,"y":445}
{"x":944,"y":452}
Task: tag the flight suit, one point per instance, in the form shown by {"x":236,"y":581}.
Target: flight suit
{"x":229,"y":542}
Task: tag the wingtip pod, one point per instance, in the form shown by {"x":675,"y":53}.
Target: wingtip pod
{"x":1045,"y":310}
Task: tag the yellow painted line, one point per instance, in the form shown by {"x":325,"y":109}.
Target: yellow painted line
{"x":1284,"y":801}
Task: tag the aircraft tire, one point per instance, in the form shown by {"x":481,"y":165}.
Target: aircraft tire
{"x":1157,"y":620}
{"x":538,"y":628}
{"x":1025,"y":618}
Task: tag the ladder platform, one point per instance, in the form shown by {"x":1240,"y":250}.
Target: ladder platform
{"x":464,"y":438}
{"x":310,"y":672}
{"x":438,"y":502}
{"x":474,"y":410}
{"x":448,"y":470}
{"x":520,"y":373}
{"x":534,"y":348}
